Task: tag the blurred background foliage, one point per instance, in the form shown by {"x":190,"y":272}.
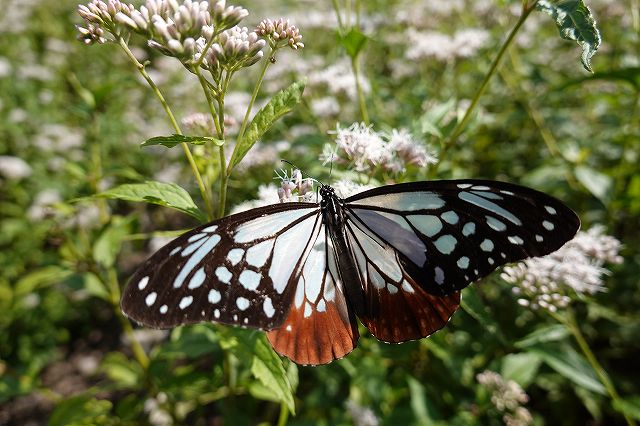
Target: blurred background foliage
{"x":72,"y":118}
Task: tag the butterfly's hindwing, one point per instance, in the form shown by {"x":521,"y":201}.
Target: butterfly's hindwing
{"x":234,"y":271}
{"x":319,"y":327}
{"x":397,"y":308}
{"x":448,"y":234}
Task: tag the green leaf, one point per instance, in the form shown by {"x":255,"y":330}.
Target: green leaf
{"x":597,"y":183}
{"x":421,"y":409}
{"x":81,"y":410}
{"x":125,"y":373}
{"x":266,"y":365}
{"x":521,"y":368}
{"x":279,"y":105}
{"x":92,"y":285}
{"x":545,"y":334}
{"x":629,"y":406}
{"x":109,"y":243}
{"x":474,"y":306}
{"x":570,"y":364}
{"x":40,"y":278}
{"x":353,"y":42}
{"x":575,"y":22}
{"x":629,"y":75}
{"x":164,"y":194}
{"x":173,"y":140}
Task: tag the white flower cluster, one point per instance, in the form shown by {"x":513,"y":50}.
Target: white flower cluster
{"x":508,"y":397}
{"x":427,"y":44}
{"x":543,"y":282}
{"x":185,"y":30}
{"x":14,"y":168}
{"x":280,"y":30}
{"x":294,"y":187}
{"x":364,"y":148}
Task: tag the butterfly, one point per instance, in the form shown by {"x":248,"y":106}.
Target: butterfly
{"x":395,"y":257}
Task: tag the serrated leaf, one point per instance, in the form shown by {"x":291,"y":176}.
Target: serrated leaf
{"x":545,"y":334}
{"x":279,"y":105}
{"x":81,"y":410}
{"x":597,"y":183}
{"x":353,"y":42}
{"x":40,"y":278}
{"x":109,"y":243}
{"x":521,"y":367}
{"x":173,"y":140}
{"x":570,"y":364}
{"x":266,"y":365}
{"x":575,"y":22}
{"x":164,"y":194}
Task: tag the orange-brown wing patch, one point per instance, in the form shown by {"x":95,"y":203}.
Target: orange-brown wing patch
{"x":409,"y":313}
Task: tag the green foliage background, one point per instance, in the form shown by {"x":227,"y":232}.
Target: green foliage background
{"x":77,"y":115}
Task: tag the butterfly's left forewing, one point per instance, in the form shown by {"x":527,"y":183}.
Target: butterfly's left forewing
{"x":235,"y":270}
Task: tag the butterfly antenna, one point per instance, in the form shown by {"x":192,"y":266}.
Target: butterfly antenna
{"x":303,"y":172}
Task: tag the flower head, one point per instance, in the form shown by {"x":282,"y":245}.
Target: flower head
{"x":294,"y":187}
{"x":236,"y":48}
{"x":278,"y":31}
{"x":545,"y":282}
{"x":507,"y":396}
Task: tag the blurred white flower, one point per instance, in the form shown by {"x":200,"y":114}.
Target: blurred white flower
{"x":42,"y":202}
{"x":544,"y":282}
{"x":5,"y":67}
{"x":267,"y":194}
{"x":324,"y":107}
{"x":345,"y":188}
{"x":427,"y":44}
{"x":361,"y":415}
{"x":508,"y":397}
{"x":14,"y":168}
{"x":158,"y":416}
{"x":364,"y":149}
{"x":339,"y":79}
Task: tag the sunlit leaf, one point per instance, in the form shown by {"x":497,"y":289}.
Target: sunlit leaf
{"x":521,"y":368}
{"x":575,"y":22}
{"x":40,"y":278}
{"x":570,"y":364}
{"x":173,"y":140}
{"x":81,"y":410}
{"x":164,"y":194}
{"x":279,"y":105}
{"x":629,"y":406}
{"x":544,"y":334}
{"x":109,"y":243}
{"x":596,"y":182}
{"x":124,"y":372}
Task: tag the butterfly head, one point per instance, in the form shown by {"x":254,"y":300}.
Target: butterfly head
{"x":327,"y":192}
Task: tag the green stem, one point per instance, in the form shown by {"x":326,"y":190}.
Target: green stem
{"x":355,"y":66}
{"x":526,"y":11}
{"x":254,"y":96}
{"x":570,"y":322}
{"x":156,"y":90}
{"x":136,"y":347}
{"x":284,"y":414}
{"x":336,"y":7}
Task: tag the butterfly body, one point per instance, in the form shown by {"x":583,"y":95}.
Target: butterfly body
{"x":395,"y":257}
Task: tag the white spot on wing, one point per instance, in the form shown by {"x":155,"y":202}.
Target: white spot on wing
{"x":407,"y":201}
{"x":550,"y":209}
{"x":249,"y":280}
{"x":223,"y":274}
{"x":375,"y":278}
{"x":548,"y":225}
{"x":446,"y":244}
{"x":196,"y":237}
{"x":267,"y":307}
{"x":143,"y":283}
{"x":539,"y":238}
{"x":214,"y":296}
{"x":216,"y":313}
{"x":266,"y":226}
{"x":307,"y":310}
{"x":194,"y":260}
{"x":486,"y":245}
{"x":429,"y":225}
{"x":299,"y":297}
{"x":211,"y":228}
{"x":392,"y":288}
{"x":495,"y":224}
{"x":185,"y":302}
{"x":197,"y":279}
{"x":242,"y":303}
{"x":322,"y":307}
{"x":489,"y":205}
{"x":468,"y":229}
{"x":515,"y":240}
{"x":450,"y":217}
{"x":439,"y":275}
{"x":407,"y":287}
{"x":314,"y":269}
{"x":164,"y":309}
{"x":175,"y":250}
{"x":151,"y":298}
{"x":463,"y":262}
{"x":464,"y":185}
{"x":192,"y":247}
{"x":235,"y":255}
{"x":257,"y":255}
